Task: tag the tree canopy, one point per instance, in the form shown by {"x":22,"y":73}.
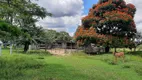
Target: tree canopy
{"x":113,"y":17}
{"x":8,"y":31}
{"x":51,"y":36}
{"x":108,"y":21}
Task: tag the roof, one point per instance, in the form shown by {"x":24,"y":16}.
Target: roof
{"x":61,"y":41}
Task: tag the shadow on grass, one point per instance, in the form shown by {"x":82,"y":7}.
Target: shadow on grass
{"x":5,"y":48}
{"x":136,"y":53}
{"x":38,"y":52}
{"x":101,"y":53}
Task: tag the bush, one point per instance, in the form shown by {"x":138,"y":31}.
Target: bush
{"x":16,"y":67}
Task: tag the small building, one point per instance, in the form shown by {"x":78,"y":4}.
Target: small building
{"x":59,"y":44}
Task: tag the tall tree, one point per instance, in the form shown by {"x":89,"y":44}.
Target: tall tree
{"x":108,"y":21}
{"x":24,"y":14}
{"x":113,"y":17}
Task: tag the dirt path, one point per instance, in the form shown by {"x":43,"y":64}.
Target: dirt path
{"x":58,"y":52}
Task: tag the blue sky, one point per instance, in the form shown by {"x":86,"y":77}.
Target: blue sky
{"x":88,"y":4}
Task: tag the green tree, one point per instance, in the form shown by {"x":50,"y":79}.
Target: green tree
{"x":51,"y":36}
{"x":24,"y":14}
{"x":8,"y":31}
{"x":63,"y":36}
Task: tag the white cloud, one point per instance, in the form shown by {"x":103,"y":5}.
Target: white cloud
{"x":66,"y":14}
{"x":61,"y":8}
{"x":138,"y":15}
{"x":61,"y":23}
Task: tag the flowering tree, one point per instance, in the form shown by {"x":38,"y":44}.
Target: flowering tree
{"x":108,"y":20}
{"x":86,"y":36}
{"x":113,"y":17}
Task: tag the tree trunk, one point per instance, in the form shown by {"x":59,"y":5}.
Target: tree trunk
{"x":26,"y":46}
{"x":115,"y":49}
{"x":107,"y":49}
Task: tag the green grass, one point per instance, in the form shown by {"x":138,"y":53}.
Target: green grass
{"x":38,"y":65}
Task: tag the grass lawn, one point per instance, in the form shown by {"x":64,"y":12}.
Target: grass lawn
{"x":78,"y":66}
